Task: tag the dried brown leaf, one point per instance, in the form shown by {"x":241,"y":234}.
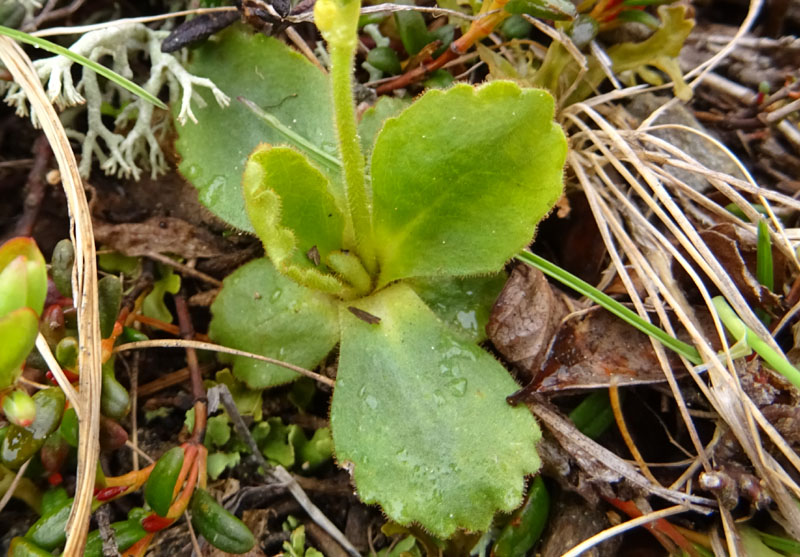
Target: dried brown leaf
{"x":159,"y":235}
{"x":525,"y":318}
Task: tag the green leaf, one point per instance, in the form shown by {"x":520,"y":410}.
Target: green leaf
{"x":462,"y":303}
{"x":218,"y":431}
{"x":248,"y":401}
{"x":374,"y":117}
{"x":261,"y":311}
{"x":423,"y":418}
{"x":279,"y":80}
{"x":153,"y":305}
{"x":412,"y":30}
{"x":219,"y":462}
{"x":292,"y":211}
{"x":466,"y":194}
{"x":18,"y":330}
{"x":313,"y":452}
{"x":109,"y":294}
{"x":544,"y":9}
{"x":273,"y":439}
{"x":660,"y":50}
{"x":526,"y":524}
{"x":32,"y":271}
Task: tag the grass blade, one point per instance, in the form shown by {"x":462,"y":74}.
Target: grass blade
{"x":764,"y":257}
{"x":82,"y":60}
{"x":738,"y":330}
{"x":604,"y":300}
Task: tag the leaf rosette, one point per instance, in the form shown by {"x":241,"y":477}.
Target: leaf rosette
{"x":458,"y":182}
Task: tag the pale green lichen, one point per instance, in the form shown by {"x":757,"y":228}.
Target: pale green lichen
{"x":133,"y":140}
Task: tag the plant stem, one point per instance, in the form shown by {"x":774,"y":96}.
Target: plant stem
{"x":339,"y":29}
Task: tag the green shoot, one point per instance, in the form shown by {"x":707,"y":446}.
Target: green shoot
{"x":337,"y":20}
{"x":764,"y":272}
{"x":610,"y":304}
{"x":102,"y":70}
{"x":779,"y":543}
{"x":741,"y":332}
{"x":764,"y":266}
{"x":735,"y":210}
{"x":593,"y":415}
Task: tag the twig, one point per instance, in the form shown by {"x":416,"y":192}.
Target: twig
{"x":13,"y":487}
{"x":139,"y":452}
{"x":620,"y":528}
{"x":58,"y":373}
{"x":782,"y":112}
{"x":616,"y":408}
{"x":192,"y":536}
{"x":279,"y":473}
{"x":185,"y":269}
{"x":198,"y":390}
{"x":110,"y":547}
{"x":587,"y":452}
{"x":48,"y":14}
{"x":300,"y":18}
{"x":176,"y":343}
{"x":173,"y":378}
{"x":35,"y":187}
{"x":133,"y":375}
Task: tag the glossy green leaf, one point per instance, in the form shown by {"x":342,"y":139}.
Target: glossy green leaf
{"x":20,"y":547}
{"x":61,"y":266}
{"x":35,"y":273}
{"x":466,"y":194}
{"x":545,"y":9}
{"x":292,"y":211}
{"x":19,"y":408}
{"x":18,"y":330}
{"x":412,"y":30}
{"x":126,"y":533}
{"x":222,"y":529}
{"x":50,"y":531}
{"x":160,"y":486}
{"x":109,"y":293}
{"x":14,"y":285}
{"x":261,"y":311}
{"x":463,"y":303}
{"x":279,"y":80}
{"x":422,"y":416}
{"x":526,"y":525}
{"x":115,"y":401}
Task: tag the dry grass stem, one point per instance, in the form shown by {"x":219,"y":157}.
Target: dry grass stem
{"x":14,"y":483}
{"x":199,"y":345}
{"x":623,"y":527}
{"x":84,"y":280}
{"x":58,"y":373}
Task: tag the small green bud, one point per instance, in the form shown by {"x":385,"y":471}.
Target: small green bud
{"x":19,"y":408}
